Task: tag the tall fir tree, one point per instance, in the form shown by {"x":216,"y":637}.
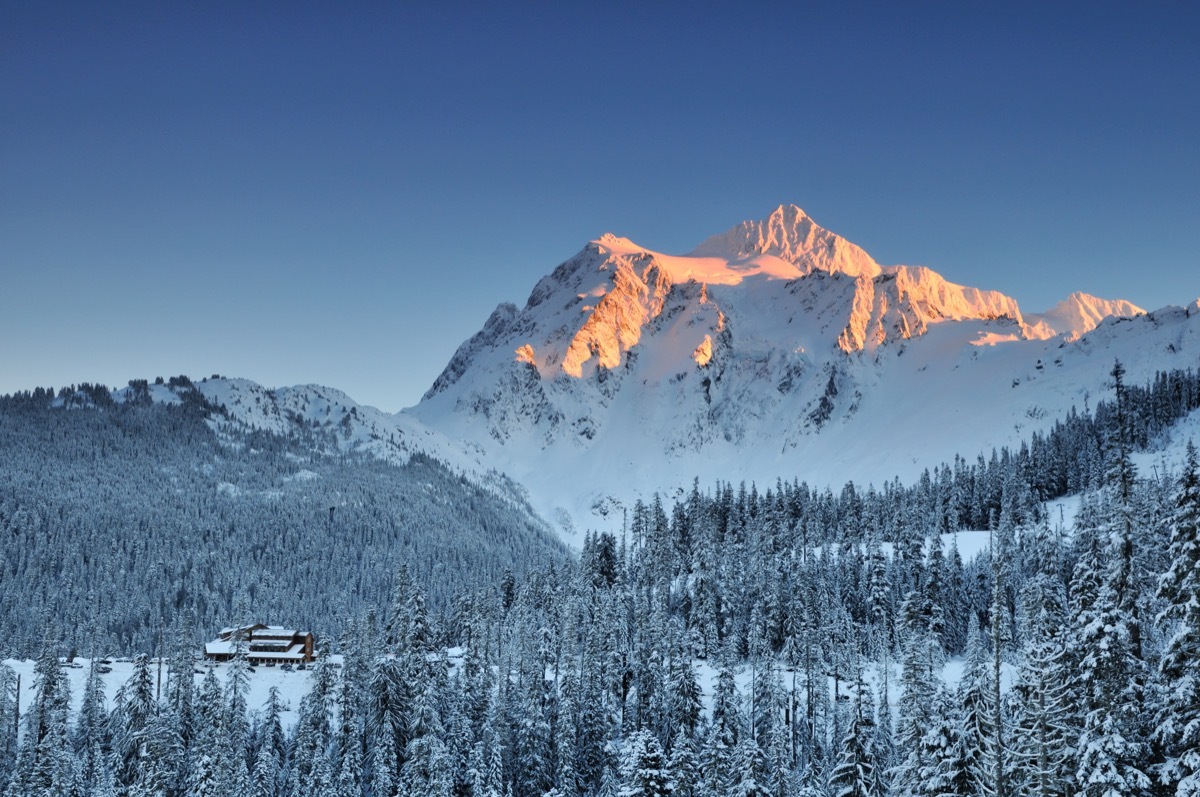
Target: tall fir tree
{"x":9,"y":707}
{"x":857,"y":773}
{"x":1178,"y":727}
{"x":1113,"y":751}
{"x":45,"y":765}
{"x":644,"y":771}
{"x":1046,"y":721}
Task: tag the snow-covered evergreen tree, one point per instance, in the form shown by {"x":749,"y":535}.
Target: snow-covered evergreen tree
{"x":921,"y":661}
{"x":45,"y":765}
{"x":1046,"y":719}
{"x":857,"y":773}
{"x":1178,"y":729}
{"x":717,"y":756}
{"x":946,"y":766}
{"x":1112,"y":752}
{"x":644,"y":771}
{"x":8,"y":723}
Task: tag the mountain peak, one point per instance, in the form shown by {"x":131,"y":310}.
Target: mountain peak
{"x":790,"y":234}
{"x":788,"y":212}
{"x":1080,"y":313}
{"x":615,"y":244}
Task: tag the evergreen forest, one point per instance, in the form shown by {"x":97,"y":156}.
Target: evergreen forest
{"x":743,"y":640}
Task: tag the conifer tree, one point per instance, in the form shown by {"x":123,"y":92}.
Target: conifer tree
{"x":45,"y":765}
{"x":596,"y":720}
{"x":978,"y":714}
{"x":749,"y":767}
{"x":566,"y":778}
{"x":206,"y":766}
{"x":162,"y":771}
{"x":945,"y":768}
{"x":885,"y":743}
{"x":426,"y":768}
{"x":856,"y":773}
{"x":265,"y":774}
{"x":271,"y":733}
{"x":313,"y":735}
{"x":534,"y":773}
{"x":717,"y":758}
{"x":8,"y":723}
{"x":135,"y":708}
{"x":389,"y":702}
{"x":777,"y":750}
{"x":684,"y":766}
{"x":1178,"y":729}
{"x":180,"y":701}
{"x":97,"y":776}
{"x":91,"y":725}
{"x":644,"y":771}
{"x":1045,"y":722}
{"x":349,"y":742}
{"x":1112,"y":679}
{"x":236,"y":724}
{"x":683,"y":689}
{"x":1003,"y":623}
{"x":922,"y":659}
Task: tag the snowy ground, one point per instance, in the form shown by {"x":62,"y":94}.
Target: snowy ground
{"x":970,"y":543}
{"x":952,"y":675}
{"x":1168,"y":458}
{"x":292,"y":685}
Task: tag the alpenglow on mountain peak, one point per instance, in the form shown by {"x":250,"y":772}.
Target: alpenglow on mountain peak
{"x":782,"y":288}
{"x":791,"y":234}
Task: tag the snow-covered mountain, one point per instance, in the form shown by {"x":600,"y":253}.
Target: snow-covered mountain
{"x":1078,"y":314}
{"x":777,"y":349}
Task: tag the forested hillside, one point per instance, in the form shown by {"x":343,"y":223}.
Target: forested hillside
{"x":735,"y":642}
{"x":124,"y":523}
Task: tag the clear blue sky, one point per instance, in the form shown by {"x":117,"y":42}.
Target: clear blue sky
{"x":310,"y":193}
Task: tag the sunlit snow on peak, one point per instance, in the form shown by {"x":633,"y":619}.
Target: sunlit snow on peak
{"x":1079,"y":314}
{"x":792,"y":236}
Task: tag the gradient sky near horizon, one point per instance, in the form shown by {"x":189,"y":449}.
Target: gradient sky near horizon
{"x":340,"y":195}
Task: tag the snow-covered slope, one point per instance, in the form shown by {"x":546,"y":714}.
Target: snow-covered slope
{"x":329,"y":414}
{"x":777,"y":349}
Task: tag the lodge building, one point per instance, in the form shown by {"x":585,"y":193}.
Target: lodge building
{"x":263,"y":644}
